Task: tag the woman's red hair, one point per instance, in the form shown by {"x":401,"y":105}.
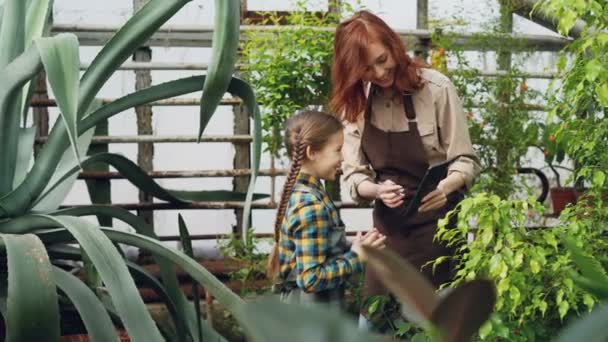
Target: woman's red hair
{"x":352,"y":38}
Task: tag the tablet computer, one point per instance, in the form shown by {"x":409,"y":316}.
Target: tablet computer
{"x":429,"y":182}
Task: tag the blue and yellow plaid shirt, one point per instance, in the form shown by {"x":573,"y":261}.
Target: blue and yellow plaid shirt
{"x":313,"y":241}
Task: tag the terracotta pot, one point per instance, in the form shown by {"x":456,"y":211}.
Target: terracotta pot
{"x":561,"y":197}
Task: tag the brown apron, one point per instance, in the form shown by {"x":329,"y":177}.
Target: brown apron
{"x":400,"y":157}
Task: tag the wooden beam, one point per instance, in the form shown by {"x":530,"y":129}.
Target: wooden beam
{"x":200,"y":36}
{"x":145,"y":150}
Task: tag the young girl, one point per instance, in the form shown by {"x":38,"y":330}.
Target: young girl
{"x":312,"y":259}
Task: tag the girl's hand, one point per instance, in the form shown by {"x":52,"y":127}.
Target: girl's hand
{"x":390,"y":193}
{"x":434,"y":200}
{"x":372,"y":238}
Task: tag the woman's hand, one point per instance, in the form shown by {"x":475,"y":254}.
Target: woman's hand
{"x":439,"y":197}
{"x":372,"y":238}
{"x":390,"y":193}
{"x":434,"y":200}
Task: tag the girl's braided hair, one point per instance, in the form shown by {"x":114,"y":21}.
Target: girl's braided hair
{"x":305,"y":129}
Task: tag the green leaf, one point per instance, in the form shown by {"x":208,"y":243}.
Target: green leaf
{"x":18,"y":201}
{"x":563,"y":308}
{"x":61,"y":61}
{"x":598,"y":289}
{"x":485,"y":329}
{"x":598,"y":178}
{"x":419,"y":337}
{"x":141,"y":276}
{"x":115,"y":275}
{"x":464,"y":309}
{"x":33,"y":312}
{"x":12,"y":31}
{"x":550,"y":239}
{"x":299,"y":323}
{"x":223,"y":56}
{"x":403,"y":328}
{"x":566,"y":22}
{"x":588,"y":300}
{"x":589,"y":328}
{"x":593,"y":69}
{"x":230,"y":300}
{"x":542,"y":306}
{"x":63,"y":179}
{"x":13,"y":78}
{"x":223,"y":294}
{"x":186,"y":241}
{"x":12,"y":34}
{"x":58,"y":186}
{"x":588,"y":266}
{"x":514,"y":294}
{"x":100,"y":190}
{"x":602,"y":94}
{"x":534,"y":266}
{"x":133,"y":34}
{"x":145,"y":183}
{"x":24,"y":153}
{"x":185,"y":311}
{"x":415,"y":293}
{"x":375,"y":304}
{"x":243,"y":90}
{"x":38,"y":20}
{"x":93,"y":314}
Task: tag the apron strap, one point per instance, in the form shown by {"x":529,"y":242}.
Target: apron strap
{"x":368,"y":104}
{"x":408,"y":106}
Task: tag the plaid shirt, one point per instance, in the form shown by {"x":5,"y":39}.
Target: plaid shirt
{"x":313,"y":242}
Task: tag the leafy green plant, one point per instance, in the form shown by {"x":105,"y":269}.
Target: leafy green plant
{"x":384,"y":314}
{"x":593,"y":279}
{"x":530,"y":267}
{"x":581,"y":97}
{"x":251,"y":262}
{"x":36,"y":237}
{"x":289,"y":66}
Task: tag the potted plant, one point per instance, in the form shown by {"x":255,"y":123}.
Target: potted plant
{"x":554,"y":150}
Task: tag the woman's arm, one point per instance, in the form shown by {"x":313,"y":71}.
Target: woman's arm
{"x":355,"y":168}
{"x":457,"y":143}
{"x":358,"y":175}
{"x":455,"y":135}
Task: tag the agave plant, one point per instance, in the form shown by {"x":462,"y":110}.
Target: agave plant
{"x":36,"y":237}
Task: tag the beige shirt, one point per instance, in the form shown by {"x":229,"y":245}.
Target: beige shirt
{"x":441,"y":123}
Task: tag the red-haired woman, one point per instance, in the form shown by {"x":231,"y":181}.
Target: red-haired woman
{"x":399,"y":118}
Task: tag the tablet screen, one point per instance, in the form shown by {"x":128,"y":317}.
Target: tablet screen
{"x":429,"y":183}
